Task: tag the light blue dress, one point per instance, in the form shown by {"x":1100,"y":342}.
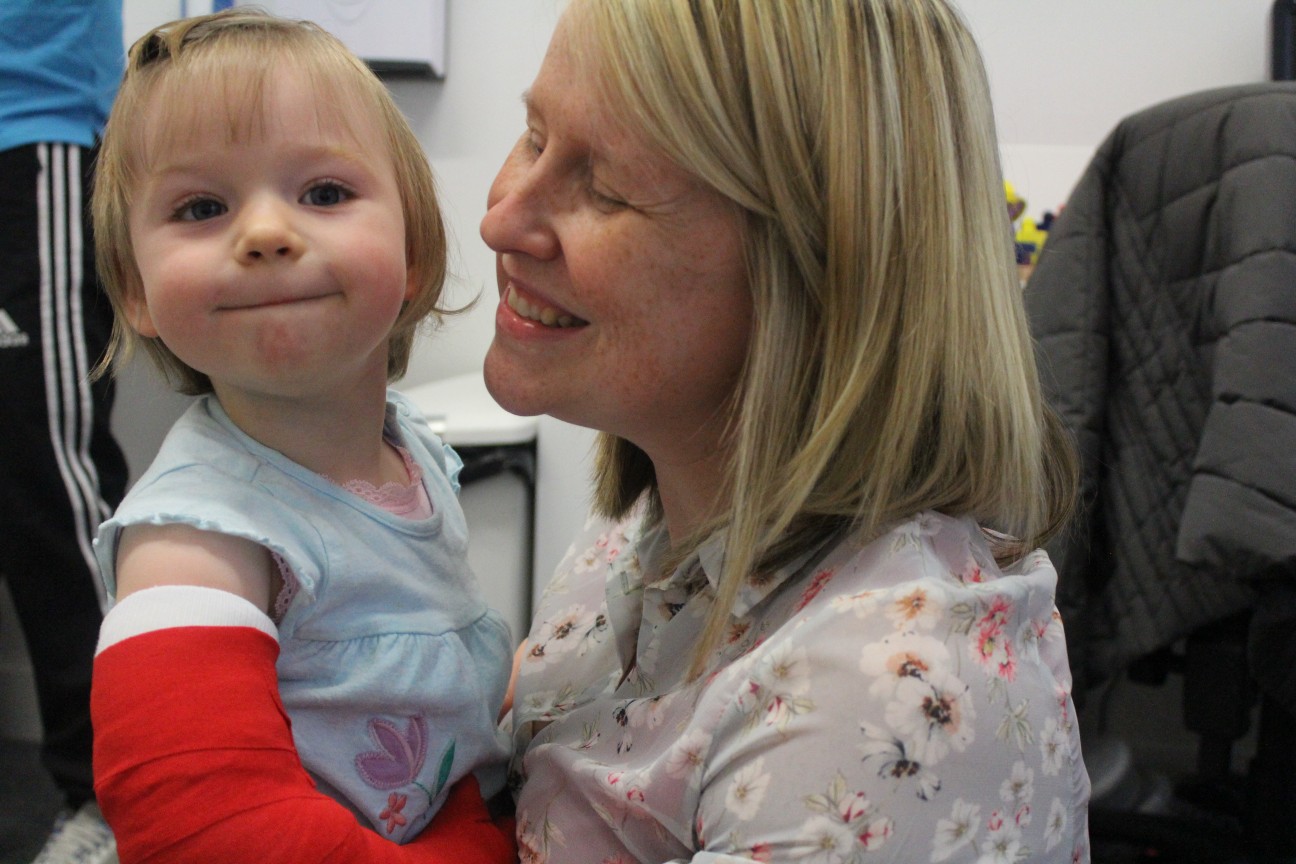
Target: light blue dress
{"x":391,"y":667}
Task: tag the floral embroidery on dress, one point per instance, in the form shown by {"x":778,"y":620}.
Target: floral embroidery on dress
{"x":392,"y":814}
{"x":400,"y":755}
{"x":398,"y":762}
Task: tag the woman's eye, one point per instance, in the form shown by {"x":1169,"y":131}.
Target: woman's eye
{"x":325,"y":195}
{"x":606,"y":202}
{"x":200,"y":209}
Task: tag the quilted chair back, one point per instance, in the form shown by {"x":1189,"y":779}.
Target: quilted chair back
{"x":1164,"y":306}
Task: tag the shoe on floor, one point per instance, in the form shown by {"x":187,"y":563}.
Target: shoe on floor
{"x":79,"y":837}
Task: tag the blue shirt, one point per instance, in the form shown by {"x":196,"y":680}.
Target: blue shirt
{"x":60,"y":64}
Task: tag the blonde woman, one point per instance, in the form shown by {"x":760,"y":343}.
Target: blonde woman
{"x":762,"y":247}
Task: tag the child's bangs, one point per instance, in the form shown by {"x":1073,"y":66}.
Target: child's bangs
{"x":222,"y":96}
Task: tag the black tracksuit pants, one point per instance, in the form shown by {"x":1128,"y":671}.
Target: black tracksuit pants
{"x":61,"y":472}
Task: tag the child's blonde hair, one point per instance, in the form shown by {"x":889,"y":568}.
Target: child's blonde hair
{"x":230,"y":56}
{"x":890,"y":368}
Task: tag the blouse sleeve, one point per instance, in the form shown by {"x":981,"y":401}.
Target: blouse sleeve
{"x":904,"y":712}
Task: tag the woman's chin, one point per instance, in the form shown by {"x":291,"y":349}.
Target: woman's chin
{"x":514,"y":389}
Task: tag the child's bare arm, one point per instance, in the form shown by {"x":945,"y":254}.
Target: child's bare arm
{"x":174,"y":554}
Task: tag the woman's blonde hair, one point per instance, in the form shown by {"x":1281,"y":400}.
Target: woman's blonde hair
{"x":227,"y":59}
{"x":890,"y":369}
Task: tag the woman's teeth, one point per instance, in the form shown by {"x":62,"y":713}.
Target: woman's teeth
{"x":546,"y":315}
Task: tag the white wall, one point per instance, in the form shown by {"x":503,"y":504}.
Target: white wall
{"x":1063,"y":73}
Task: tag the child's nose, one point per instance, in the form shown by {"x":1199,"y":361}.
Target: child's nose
{"x":268,"y":234}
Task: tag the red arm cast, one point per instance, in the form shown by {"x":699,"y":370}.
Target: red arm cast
{"x":194,"y":761}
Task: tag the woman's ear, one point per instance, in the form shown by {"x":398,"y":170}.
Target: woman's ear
{"x":411,"y":284}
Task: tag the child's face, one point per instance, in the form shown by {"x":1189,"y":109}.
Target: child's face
{"x":273,"y":263}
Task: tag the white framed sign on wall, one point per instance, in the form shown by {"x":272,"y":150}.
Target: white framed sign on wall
{"x":392,"y":36}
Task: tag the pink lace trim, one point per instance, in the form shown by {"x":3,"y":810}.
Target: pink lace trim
{"x":408,"y":500}
{"x":401,"y":499}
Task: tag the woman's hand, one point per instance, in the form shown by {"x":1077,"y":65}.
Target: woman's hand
{"x":513,"y":676}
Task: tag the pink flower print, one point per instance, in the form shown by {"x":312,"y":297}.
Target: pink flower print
{"x":392,"y":815}
{"x":993,"y":648}
{"x":822,"y":578}
{"x":999,"y":613}
{"x":399,"y":757}
{"x":853,"y":806}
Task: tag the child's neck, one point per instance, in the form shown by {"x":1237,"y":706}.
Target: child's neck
{"x":339,"y":436}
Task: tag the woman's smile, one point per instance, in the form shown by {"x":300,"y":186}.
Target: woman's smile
{"x":539,"y":311}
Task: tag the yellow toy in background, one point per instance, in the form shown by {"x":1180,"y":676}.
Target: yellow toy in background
{"x":1029,"y":235}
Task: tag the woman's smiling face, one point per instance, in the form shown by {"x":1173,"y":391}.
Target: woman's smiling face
{"x":624,"y":304}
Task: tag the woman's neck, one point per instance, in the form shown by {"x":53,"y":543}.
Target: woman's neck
{"x":688,"y":491}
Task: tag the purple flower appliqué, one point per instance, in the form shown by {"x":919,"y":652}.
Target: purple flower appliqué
{"x":399,"y":757}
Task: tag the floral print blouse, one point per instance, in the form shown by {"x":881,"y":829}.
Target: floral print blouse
{"x":900,"y":700}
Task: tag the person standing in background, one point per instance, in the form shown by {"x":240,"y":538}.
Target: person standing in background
{"x":63,"y":472}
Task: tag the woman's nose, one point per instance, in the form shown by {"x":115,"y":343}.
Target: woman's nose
{"x":267,"y":233}
{"x":519,"y":208}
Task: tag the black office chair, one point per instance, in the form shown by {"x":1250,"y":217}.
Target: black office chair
{"x":1164,"y":305}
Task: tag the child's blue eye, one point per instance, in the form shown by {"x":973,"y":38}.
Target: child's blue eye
{"x":325,"y":195}
{"x":200,"y":209}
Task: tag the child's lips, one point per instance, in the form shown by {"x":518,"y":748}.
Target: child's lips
{"x":271,"y":302}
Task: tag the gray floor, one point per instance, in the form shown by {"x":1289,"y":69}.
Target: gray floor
{"x":28,"y":802}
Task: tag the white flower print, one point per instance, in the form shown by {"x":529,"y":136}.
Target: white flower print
{"x":747,"y":790}
{"x":1019,"y":788}
{"x":561,"y":633}
{"x":932,"y":715}
{"x":1055,"y":746}
{"x":1003,"y":841}
{"x":590,"y":559}
{"x":894,"y":763}
{"x":687,"y":755}
{"x":853,"y":811}
{"x":1056,"y":825}
{"x":904,"y":655}
{"x":545,"y":704}
{"x":775,"y":691}
{"x":533,"y":840}
{"x":646,"y":712}
{"x":918,"y":608}
{"x":956,"y":831}
{"x":830,"y":841}
{"x":863,"y":604}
